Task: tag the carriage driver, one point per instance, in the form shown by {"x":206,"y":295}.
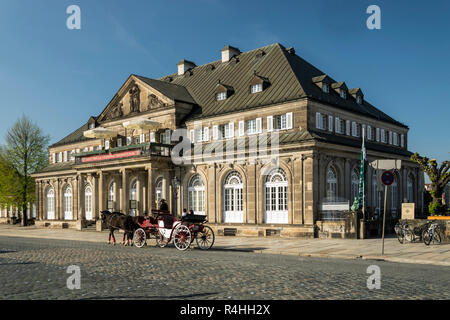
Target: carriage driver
{"x":163,"y":205}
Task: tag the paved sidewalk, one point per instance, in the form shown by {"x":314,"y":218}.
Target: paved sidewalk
{"x":324,"y":248}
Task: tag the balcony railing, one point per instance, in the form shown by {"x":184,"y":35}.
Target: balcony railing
{"x":145,"y":150}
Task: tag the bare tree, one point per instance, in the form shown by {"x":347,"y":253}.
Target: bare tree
{"x":25,"y":152}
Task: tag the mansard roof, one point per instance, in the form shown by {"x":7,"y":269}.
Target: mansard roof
{"x":290,"y":77}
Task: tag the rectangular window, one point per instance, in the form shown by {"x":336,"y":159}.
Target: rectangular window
{"x":402,"y":140}
{"x":347,"y":127}
{"x":224,"y":131}
{"x":128,"y":141}
{"x":390,"y":137}
{"x":330,"y":123}
{"x":280,"y":122}
{"x":378,"y":134}
{"x":369,"y":133}
{"x":251,"y":126}
{"x":383,"y":136}
{"x":256,"y":88}
{"x":119,"y":142}
{"x":395,"y":138}
{"x":221,"y":96}
{"x":106,"y":144}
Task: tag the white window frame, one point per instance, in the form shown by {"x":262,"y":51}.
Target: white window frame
{"x":233,"y":198}
{"x":50,"y":197}
{"x":68,"y":203}
{"x":250,"y":127}
{"x":88,"y":202}
{"x":220,"y":96}
{"x":330,"y":123}
{"x":196,"y":195}
{"x":276,"y":197}
{"x":255,"y":88}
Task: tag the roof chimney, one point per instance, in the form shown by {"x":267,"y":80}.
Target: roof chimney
{"x":184,"y":65}
{"x":228,"y":52}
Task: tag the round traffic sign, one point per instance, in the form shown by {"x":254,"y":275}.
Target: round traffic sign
{"x":387,"y":178}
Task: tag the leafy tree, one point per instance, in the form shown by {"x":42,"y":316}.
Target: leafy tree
{"x":24,"y":153}
{"x":439,"y":177}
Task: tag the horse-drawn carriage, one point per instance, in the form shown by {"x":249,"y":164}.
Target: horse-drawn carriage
{"x":166,"y":228}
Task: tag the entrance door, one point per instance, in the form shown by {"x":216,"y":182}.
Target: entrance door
{"x":276,"y":208}
{"x":68,"y":203}
{"x":233,"y":203}
{"x":88,"y":202}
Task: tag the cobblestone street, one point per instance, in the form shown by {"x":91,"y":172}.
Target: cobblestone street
{"x":36,"y":269}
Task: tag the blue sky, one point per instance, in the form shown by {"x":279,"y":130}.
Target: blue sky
{"x":60,"y":77}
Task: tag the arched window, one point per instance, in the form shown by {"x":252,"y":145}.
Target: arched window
{"x":196,"y":195}
{"x":233,"y":202}
{"x":355,"y":186}
{"x":67,"y":203}
{"x":111,"y":196}
{"x":410,"y":188}
{"x":159,"y":190}
{"x":133,"y":196}
{"x":276,"y":197}
{"x":50,"y":204}
{"x":88,"y":202}
{"x":332,"y":183}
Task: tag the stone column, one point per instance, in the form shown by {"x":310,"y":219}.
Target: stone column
{"x":101,"y":199}
{"x":58,"y":209}
{"x":123,"y":194}
{"x":37,"y":193}
{"x":347,"y":181}
{"x":311,"y":180}
{"x":297,"y":191}
{"x":138,"y":196}
{"x":149,"y":189}
{"x":211,"y":195}
{"x":252,"y":180}
{"x":76,"y":199}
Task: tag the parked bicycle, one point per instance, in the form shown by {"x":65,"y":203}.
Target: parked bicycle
{"x":431,"y":234}
{"x":404,"y":232}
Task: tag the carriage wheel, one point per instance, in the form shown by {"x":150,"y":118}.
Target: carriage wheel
{"x":182,"y":237}
{"x":161,"y":241}
{"x":139,"y":238}
{"x":205,"y":239}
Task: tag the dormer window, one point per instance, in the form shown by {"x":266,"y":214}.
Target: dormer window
{"x":325,"y":88}
{"x":256,"y":88}
{"x":258,"y":83}
{"x":223,"y":91}
{"x":357,"y":94}
{"x":343,"y":94}
{"x":91,"y":125}
{"x":358,"y":100}
{"x":221,"y":96}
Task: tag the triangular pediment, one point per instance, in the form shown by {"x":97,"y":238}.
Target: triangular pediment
{"x":134,"y":97}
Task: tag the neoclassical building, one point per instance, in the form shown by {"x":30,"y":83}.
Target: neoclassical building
{"x":261,"y":142}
